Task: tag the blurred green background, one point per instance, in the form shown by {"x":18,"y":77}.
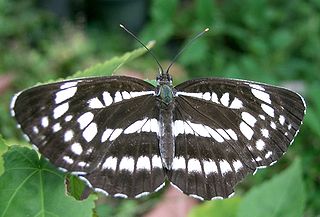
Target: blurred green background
{"x":275,"y":42}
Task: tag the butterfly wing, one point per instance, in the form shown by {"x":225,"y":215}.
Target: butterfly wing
{"x":103,"y":129}
{"x":225,"y":129}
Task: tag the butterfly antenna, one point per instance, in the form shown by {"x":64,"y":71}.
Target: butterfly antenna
{"x":187,"y":45}
{"x":149,"y":51}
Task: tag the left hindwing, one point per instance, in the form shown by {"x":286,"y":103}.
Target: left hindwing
{"x":225,"y":129}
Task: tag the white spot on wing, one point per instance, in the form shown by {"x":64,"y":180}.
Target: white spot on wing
{"x":141,"y":93}
{"x":206,"y":96}
{"x":68,"y":160}
{"x":214,"y":98}
{"x":147,"y":126}
{"x":68,"y":135}
{"x":178,"y":163}
{"x":60,"y":110}
{"x":127,"y":163}
{"x":223,"y":133}
{"x":214,"y":134}
{"x":260,"y":145}
{"x":68,"y":118}
{"x":273,"y":125}
{"x":281,"y":119}
{"x":156,"y":161}
{"x":45,"y":121}
{"x":237,"y":165}
{"x":154,"y":125}
{"x":135,"y":127}
{"x":107,"y":99}
{"x":195,"y":95}
{"x":256,"y":86}
{"x":117,"y":97}
{"x":232,"y":134}
{"x":267,"y":109}
{"x":194,"y":165}
{"x":69,"y":84}
{"x":143,"y":163}
{"x":265,"y":133}
{"x":65,"y":94}
{"x":269,"y":153}
{"x":178,"y":127}
{"x":261,"y":95}
{"x":35,"y":129}
{"x":56,"y":127}
{"x":225,"y":99}
{"x":116,"y":133}
{"x":225,"y":167}
{"x":95,"y":103}
{"x":85,"y":119}
{"x":246,"y":130}
{"x":90,"y":132}
{"x":236,"y":104}
{"x":209,"y":167}
{"x":199,"y":129}
{"x":110,"y":163}
{"x":248,"y":118}
{"x":126,"y":95}
{"x":106,"y":134}
{"x":76,"y":148}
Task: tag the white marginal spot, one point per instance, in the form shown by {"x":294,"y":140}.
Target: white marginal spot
{"x":194,"y":165}
{"x":262,"y":117}
{"x":269,"y":153}
{"x":265,"y":133}
{"x":127,"y":163}
{"x":117,"y":97}
{"x":225,"y":167}
{"x":120,"y":195}
{"x":35,"y":129}
{"x":209,"y":167}
{"x":156,"y":161}
{"x":273,"y":125}
{"x":256,"y":86}
{"x":68,"y":118}
{"x":142,"y":194}
{"x":110,"y":163}
{"x":143,"y":163}
{"x":260,"y":144}
{"x":69,"y":84}
{"x":107,"y":99}
{"x":45,"y":121}
{"x":281,"y":119}
{"x":76,"y":148}
{"x":56,"y":127}
{"x":65,"y":94}
{"x":286,"y":133}
{"x":206,"y":96}
{"x":214,"y":98}
{"x":289,"y":127}
{"x":178,"y":163}
{"x":232,"y":134}
{"x":116,"y":133}
{"x":126,"y":95}
{"x":12,"y":103}
{"x":217,"y":198}
{"x":265,"y":97}
{"x":246,"y":130}
{"x":196,"y":196}
{"x":214,"y":134}
{"x":68,"y":160}
{"x":225,"y":99}
{"x":248,"y":118}
{"x":135,"y":127}
{"x":89,"y":151}
{"x":60,"y":110}
{"x":237,"y":165}
{"x":236,"y":104}
{"x":195,"y":95}
{"x":90,"y":132}
{"x":95,"y":103}
{"x":141,"y":93}
{"x":68,"y":135}
{"x":223,"y":133}
{"x":85,"y":119}
{"x":267,"y":109}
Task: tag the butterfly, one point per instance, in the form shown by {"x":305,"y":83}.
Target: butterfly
{"x":126,"y":137}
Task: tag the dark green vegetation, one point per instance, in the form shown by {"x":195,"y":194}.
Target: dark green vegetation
{"x":276,"y":42}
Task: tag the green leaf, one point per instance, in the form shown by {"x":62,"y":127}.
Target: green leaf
{"x":110,"y":66}
{"x":217,"y":208}
{"x":75,"y":186}
{"x":33,"y":187}
{"x":3,"y":149}
{"x":282,"y":196}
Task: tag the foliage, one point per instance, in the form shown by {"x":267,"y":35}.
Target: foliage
{"x":269,"y":41}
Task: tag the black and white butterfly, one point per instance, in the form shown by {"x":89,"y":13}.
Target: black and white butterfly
{"x":125,"y":137}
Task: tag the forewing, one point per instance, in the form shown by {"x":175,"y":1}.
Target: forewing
{"x":226,"y":129}
{"x":103,"y":129}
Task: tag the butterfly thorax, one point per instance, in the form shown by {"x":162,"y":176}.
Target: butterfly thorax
{"x":166,"y":106}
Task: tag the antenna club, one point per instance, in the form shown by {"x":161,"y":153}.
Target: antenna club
{"x":207,"y":29}
{"x":122,"y":26}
